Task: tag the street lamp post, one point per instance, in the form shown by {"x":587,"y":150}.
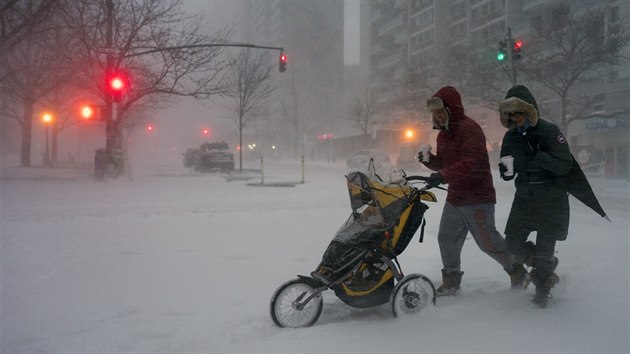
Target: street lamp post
{"x":47,"y":118}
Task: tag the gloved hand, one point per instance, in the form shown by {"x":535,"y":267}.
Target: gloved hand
{"x":502,"y":171}
{"x":435,"y":179}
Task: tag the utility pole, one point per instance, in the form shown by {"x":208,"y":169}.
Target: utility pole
{"x":111,"y":157}
{"x":510,"y":42}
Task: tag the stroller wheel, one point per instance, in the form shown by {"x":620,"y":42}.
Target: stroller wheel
{"x":411,"y":295}
{"x":287,"y":308}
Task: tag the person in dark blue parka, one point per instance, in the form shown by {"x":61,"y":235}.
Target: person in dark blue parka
{"x":541,"y":156}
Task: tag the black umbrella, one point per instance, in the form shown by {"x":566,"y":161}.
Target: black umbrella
{"x":577,"y":185}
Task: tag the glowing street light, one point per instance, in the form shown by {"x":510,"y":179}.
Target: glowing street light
{"x":47,"y":118}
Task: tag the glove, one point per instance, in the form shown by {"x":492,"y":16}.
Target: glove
{"x":434,"y":180}
{"x":503,"y":170}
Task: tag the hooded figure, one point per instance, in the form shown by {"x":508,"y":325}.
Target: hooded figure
{"x":461,"y":157}
{"x":543,"y":165}
{"x":461,"y":161}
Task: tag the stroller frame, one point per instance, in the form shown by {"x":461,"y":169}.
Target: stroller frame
{"x":302,"y":297}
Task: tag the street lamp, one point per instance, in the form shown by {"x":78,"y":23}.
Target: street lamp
{"x":47,"y":118}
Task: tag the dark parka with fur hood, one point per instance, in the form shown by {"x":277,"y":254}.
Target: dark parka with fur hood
{"x":541,"y":154}
{"x":461,"y":155}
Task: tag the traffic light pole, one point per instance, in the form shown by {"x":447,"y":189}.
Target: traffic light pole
{"x":242,"y":45}
{"x":112,"y":140}
{"x":510,"y":42}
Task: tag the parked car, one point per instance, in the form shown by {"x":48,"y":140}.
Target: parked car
{"x":361,"y":159}
{"x":209,"y":157}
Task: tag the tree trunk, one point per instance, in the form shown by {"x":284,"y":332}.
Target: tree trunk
{"x":54,"y":143}
{"x":27,"y":130}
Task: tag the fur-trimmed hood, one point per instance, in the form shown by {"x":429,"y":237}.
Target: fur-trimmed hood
{"x":518,"y":99}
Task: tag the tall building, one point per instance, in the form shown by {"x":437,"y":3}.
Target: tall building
{"x":403,"y":34}
{"x":308,"y":102}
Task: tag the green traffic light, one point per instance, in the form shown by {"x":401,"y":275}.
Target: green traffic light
{"x":500,"y":56}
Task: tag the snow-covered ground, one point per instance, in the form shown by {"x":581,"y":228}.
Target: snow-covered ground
{"x":173,"y":261}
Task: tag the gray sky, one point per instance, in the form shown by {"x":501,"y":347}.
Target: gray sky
{"x":224,"y":12}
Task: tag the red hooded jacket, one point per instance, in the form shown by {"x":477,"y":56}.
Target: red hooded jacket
{"x":461,"y":156}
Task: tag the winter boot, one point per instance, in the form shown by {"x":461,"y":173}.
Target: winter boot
{"x":450,"y":283}
{"x":530,"y":259}
{"x":543,"y":287}
{"x":518,"y":276}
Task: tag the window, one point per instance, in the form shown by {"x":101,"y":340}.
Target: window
{"x":614,"y":14}
{"x":599,"y":104}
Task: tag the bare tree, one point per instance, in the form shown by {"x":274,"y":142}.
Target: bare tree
{"x":20,"y":19}
{"x":31,"y":70}
{"x":364,"y":112}
{"x":162,"y":51}
{"x":569,"y":52}
{"x":250,"y":84}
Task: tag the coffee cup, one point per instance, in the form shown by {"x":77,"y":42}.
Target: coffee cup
{"x":508,"y":162}
{"x":426,"y":152}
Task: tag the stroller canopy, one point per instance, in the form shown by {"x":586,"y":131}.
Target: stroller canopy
{"x":389,"y":199}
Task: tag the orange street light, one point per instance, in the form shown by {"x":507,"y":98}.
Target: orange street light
{"x":47,"y":118}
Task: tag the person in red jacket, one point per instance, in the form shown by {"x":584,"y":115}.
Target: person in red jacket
{"x":461,"y":161}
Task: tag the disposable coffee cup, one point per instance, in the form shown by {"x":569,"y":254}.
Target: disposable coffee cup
{"x":426,"y":152}
{"x":508,"y":162}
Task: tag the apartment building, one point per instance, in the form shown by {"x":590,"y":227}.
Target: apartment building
{"x":405,"y":33}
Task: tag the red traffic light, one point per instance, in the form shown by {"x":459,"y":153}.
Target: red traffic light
{"x":150,"y":128}
{"x":116,"y":84}
{"x":282,"y":63}
{"x":516,"y":49}
{"x":205,"y":131}
{"x":87,"y":112}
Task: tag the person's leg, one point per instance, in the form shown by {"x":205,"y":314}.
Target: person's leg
{"x":543,"y":275}
{"x":451,"y":237}
{"x":480,"y":220}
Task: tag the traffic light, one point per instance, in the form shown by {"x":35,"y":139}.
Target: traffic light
{"x":205,"y":131}
{"x":150,"y":128}
{"x":502,"y":54}
{"x":116,"y":84}
{"x":90,"y":112}
{"x":516,"y":49}
{"x":282,"y":62}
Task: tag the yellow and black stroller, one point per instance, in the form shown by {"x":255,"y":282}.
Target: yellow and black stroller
{"x":360,"y":263}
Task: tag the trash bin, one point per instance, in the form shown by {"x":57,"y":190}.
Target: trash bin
{"x":101,"y":161}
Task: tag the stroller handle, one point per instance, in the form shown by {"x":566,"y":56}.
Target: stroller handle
{"x":417,"y":178}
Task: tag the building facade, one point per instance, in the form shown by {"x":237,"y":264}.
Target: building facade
{"x":407,"y":34}
{"x":308,"y":101}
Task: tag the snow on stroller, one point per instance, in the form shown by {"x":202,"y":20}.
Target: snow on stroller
{"x":360,"y":263}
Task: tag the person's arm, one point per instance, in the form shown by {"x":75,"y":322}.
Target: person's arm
{"x":553,"y":152}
